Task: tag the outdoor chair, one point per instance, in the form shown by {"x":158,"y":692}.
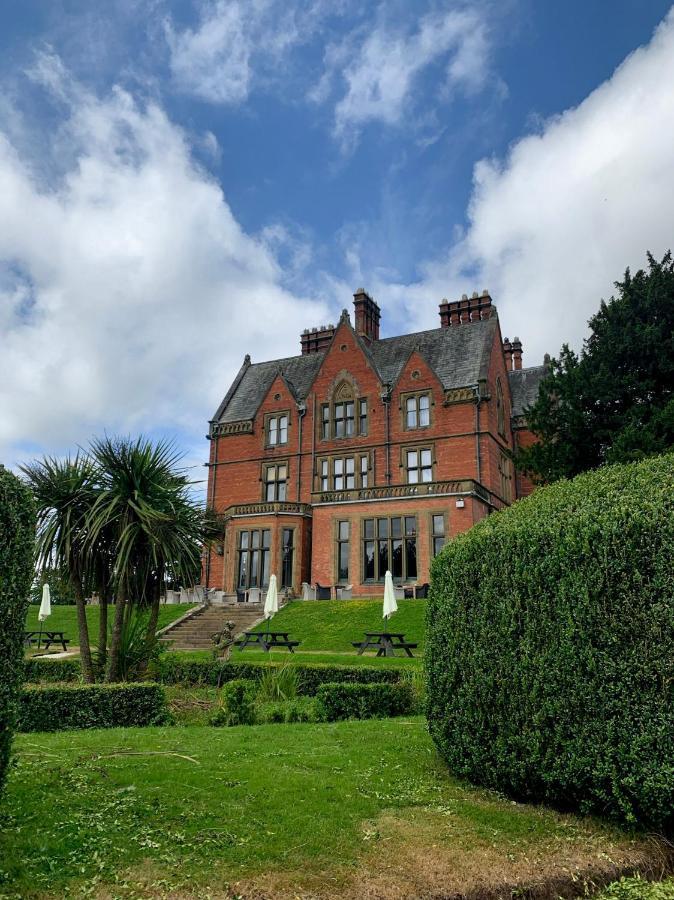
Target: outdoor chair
{"x":345,"y":593}
{"x":398,"y":592}
{"x":422,"y":591}
{"x":323,"y":593}
{"x":254,"y":595}
{"x":308,"y":592}
{"x":241,"y":596}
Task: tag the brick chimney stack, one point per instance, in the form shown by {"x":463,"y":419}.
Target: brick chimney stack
{"x":466,"y":310}
{"x":316,"y":339}
{"x":517,"y":353}
{"x":508,"y":354}
{"x":368,"y":315}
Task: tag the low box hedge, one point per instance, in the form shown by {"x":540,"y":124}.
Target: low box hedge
{"x":40,"y":671}
{"x":364,"y":701}
{"x":311,"y":675}
{"x":550,"y":646}
{"x":92,"y":706}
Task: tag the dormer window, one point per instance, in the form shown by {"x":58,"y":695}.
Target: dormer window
{"x":277,"y":430}
{"x":417,"y":410}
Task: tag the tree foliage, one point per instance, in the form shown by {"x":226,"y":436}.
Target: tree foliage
{"x":120,"y":520}
{"x":614,"y":402}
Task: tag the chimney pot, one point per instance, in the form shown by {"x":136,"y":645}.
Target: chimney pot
{"x":367,"y":315}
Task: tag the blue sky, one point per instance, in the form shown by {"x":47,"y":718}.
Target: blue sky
{"x":183,"y":182}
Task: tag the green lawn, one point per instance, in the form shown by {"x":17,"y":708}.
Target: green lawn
{"x":332,"y":625}
{"x":281,"y":809}
{"x":64,"y":618}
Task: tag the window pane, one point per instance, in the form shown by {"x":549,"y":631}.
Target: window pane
{"x":244,"y":539}
{"x":287,"y":537}
{"x":281,"y":493}
{"x":363,"y":480}
{"x":411,"y":558}
{"x":339,"y":482}
{"x":272,"y":431}
{"x":362,"y":427}
{"x":266,"y":538}
{"x":411,"y":412}
{"x":397,"y":560}
{"x":413,"y":476}
{"x":255,"y":538}
{"x":427,"y":474}
{"x":343,"y":531}
{"x":350,"y":464}
{"x":424,"y":402}
{"x":265,"y":568}
{"x":243,"y":568}
{"x":282,"y":473}
{"x":339,"y":427}
{"x":283,"y":430}
{"x":271,"y":473}
{"x":382,"y":528}
{"x":383,"y":561}
{"x":350,"y":482}
{"x":369,"y":528}
{"x":425,"y":457}
{"x":439,"y":525}
{"x":324,"y":467}
{"x":363,"y":464}
{"x":368,"y":560}
{"x":396,"y":528}
{"x":412,"y":459}
{"x":410,"y":525}
{"x":343,"y":562}
{"x":271,"y":490}
{"x":424,"y":418}
{"x":339,"y":466}
{"x":339,"y":410}
{"x":254,"y":567}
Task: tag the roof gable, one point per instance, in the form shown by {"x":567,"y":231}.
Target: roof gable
{"x":459,"y":356}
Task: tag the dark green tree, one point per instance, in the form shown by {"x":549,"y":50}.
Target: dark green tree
{"x":614,"y":402}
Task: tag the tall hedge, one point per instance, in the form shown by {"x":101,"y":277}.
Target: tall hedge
{"x":550,"y":653}
{"x":17,"y":534}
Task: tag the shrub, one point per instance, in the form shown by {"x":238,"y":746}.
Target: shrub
{"x":237,"y":704}
{"x":364,"y":701}
{"x":550,"y":653}
{"x":172,"y":669}
{"x":637,"y":889}
{"x":92,"y":706}
{"x":278,"y":684}
{"x":17,"y":535}
{"x":38,"y":671}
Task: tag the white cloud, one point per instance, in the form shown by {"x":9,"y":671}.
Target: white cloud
{"x":126,"y":287}
{"x":377,"y":68}
{"x":240,"y":43}
{"x":553,"y":225}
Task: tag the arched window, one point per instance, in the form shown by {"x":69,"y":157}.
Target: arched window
{"x":346,"y":415}
{"x":500,"y":408}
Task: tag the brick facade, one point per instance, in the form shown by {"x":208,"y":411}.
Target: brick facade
{"x":381,"y":434}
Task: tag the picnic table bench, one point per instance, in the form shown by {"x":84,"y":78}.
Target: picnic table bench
{"x":47,"y":638}
{"x":266,"y":640}
{"x":385,"y":643}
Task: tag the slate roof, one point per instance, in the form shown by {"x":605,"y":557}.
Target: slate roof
{"x":459,"y":356}
{"x":524,"y":384}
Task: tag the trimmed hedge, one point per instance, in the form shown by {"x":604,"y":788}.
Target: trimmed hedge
{"x":92,"y":706}
{"x":364,"y":701}
{"x":550,"y":650}
{"x":17,"y":538}
{"x":39,"y":671}
{"x":311,"y":675}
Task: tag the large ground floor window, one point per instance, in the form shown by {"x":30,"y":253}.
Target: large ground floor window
{"x":288,"y":553}
{"x":390,"y":543}
{"x":253,"y":559}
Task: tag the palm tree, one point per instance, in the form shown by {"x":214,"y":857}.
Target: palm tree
{"x":65,"y":492}
{"x":153,"y":525}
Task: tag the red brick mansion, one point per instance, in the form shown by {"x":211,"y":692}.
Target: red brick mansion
{"x":365,"y":454}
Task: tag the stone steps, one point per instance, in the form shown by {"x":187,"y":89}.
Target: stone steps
{"x":195,"y":632}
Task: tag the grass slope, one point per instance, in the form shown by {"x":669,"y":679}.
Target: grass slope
{"x":332,"y":625}
{"x":64,"y":618}
{"x":327,"y":810}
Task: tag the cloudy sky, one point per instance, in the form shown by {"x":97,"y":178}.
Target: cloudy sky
{"x":185,"y":181}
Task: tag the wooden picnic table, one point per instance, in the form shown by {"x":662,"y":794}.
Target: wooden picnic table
{"x":46,"y":637}
{"x":385,"y":643}
{"x":266,"y":640}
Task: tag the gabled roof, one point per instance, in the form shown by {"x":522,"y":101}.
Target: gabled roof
{"x":524,"y":384}
{"x":459,"y":355}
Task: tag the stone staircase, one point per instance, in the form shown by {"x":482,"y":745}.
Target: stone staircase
{"x":194,"y":632}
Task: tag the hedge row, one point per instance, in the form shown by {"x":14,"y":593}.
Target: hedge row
{"x":39,"y":671}
{"x":364,"y":701}
{"x":311,"y":675}
{"x":17,"y":535}
{"x":92,"y":706}
{"x":550,"y":653}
